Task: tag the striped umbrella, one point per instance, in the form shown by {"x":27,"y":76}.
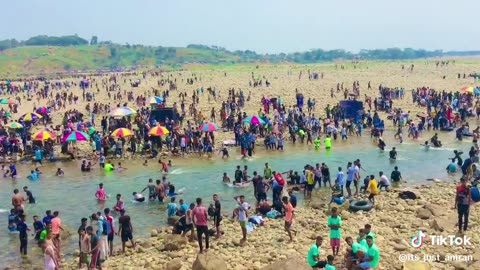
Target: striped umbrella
{"x":122,"y":111}
{"x":155,"y":100}
{"x":254,"y":120}
{"x":14,"y":125}
{"x":122,"y":132}
{"x":29,"y":117}
{"x":467,"y":89}
{"x":158,"y":131}
{"x":208,"y":127}
{"x":43,"y":135}
{"x":7,"y":101}
{"x":75,"y":136}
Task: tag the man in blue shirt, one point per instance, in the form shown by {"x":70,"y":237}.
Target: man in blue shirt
{"x":38,"y":227}
{"x":350,"y":177}
{"x":48,"y":218}
{"x":172,"y":208}
{"x":183,"y":206}
{"x":452,"y":167}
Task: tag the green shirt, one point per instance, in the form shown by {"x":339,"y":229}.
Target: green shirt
{"x":330,"y":267}
{"x":313,"y":252}
{"x":335,"y":233}
{"x":374,"y":253}
{"x":356,"y":247}
{"x":267,"y":173}
{"x":43,"y":235}
{"x":364,"y":243}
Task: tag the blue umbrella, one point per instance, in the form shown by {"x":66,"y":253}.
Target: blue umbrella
{"x":155,"y":100}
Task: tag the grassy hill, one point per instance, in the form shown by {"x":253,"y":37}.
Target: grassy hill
{"x":50,"y":59}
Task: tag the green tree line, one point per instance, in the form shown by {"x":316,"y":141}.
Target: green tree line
{"x":216,"y":54}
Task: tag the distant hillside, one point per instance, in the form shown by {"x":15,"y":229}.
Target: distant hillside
{"x":45,"y":54}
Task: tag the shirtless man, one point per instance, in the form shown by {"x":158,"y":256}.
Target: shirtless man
{"x":17,"y":201}
{"x":160,"y":191}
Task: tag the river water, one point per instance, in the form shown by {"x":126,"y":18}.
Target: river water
{"x":73,"y":194}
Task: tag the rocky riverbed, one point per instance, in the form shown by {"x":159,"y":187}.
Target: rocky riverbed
{"x":394,"y":221}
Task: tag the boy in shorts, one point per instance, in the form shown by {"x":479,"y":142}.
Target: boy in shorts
{"x":334,"y":223}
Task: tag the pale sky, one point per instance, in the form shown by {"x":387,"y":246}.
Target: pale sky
{"x":265,"y":26}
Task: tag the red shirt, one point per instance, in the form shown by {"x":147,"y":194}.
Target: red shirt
{"x":200,"y":216}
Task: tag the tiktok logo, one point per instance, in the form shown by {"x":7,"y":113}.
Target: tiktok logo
{"x":417,"y":240}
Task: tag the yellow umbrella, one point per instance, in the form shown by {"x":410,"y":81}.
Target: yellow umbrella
{"x":43,"y":135}
{"x":158,"y":131}
{"x":122,"y":132}
{"x":467,"y":89}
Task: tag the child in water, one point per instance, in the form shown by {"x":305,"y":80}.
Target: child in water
{"x":59,"y":172}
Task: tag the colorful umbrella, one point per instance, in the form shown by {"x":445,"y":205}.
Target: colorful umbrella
{"x":122,"y":111}
{"x":158,"y":131}
{"x":29,"y":117}
{"x":7,"y":101}
{"x":155,"y":100}
{"x":43,"y":135}
{"x":122,"y":132}
{"x":43,"y":110}
{"x":208,"y":127}
{"x":14,"y":125}
{"x":254,"y":120}
{"x":75,"y":136}
{"x":467,"y":89}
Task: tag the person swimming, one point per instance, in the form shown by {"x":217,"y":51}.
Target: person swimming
{"x":138,"y":197}
{"x":120,"y":168}
{"x":226,"y":178}
{"x":59,"y":172}
{"x":426,"y":145}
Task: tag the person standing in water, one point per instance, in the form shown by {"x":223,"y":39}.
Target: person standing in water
{"x":31,"y":199}
{"x":22,"y":229}
{"x":393,"y":154}
{"x":151,"y":190}
{"x":120,"y":205}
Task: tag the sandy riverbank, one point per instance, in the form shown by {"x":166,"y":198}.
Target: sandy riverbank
{"x":394,"y":221}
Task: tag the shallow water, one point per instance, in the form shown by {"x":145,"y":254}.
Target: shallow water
{"x":73,"y":194}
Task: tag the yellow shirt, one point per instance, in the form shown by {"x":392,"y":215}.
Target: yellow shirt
{"x":309,"y":175}
{"x":373,"y":187}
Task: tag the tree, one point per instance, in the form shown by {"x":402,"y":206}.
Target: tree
{"x":94,"y":40}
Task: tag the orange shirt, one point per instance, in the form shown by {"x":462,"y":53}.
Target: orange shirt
{"x":56,"y":223}
{"x":288,"y":212}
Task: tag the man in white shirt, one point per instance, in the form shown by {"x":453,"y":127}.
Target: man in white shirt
{"x":242,"y":216}
{"x":383,"y":182}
